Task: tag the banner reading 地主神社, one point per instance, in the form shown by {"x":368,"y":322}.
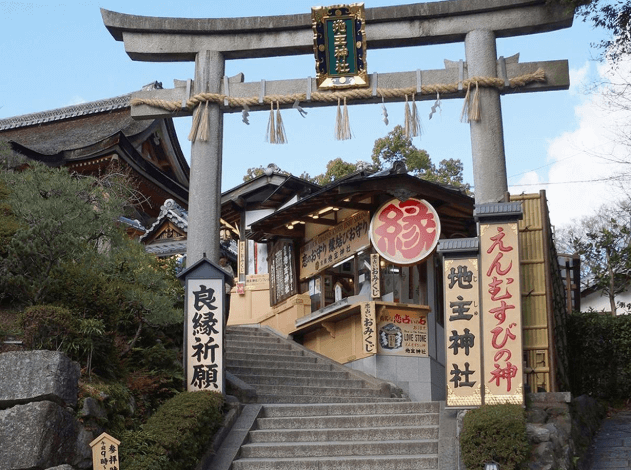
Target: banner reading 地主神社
{"x":462,"y":332}
{"x":501,"y":313}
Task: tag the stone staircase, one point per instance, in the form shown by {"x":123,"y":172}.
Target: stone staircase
{"x":393,"y":436}
{"x":282,"y":371}
{"x":310,"y":413}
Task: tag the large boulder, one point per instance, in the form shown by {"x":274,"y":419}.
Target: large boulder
{"x":29,"y":376}
{"x":42,"y":435}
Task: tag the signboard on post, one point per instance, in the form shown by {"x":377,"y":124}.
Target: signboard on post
{"x":204,"y":326}
{"x":105,"y":453}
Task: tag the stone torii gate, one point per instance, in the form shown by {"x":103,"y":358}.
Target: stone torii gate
{"x":210,"y":42}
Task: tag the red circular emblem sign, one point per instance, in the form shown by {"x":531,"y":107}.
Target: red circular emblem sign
{"x":405,"y":232}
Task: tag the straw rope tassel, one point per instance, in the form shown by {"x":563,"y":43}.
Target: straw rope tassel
{"x":407,"y":120}
{"x":474,"y":114}
{"x":204,"y":125}
{"x":281,"y":138}
{"x":338,"y":121}
{"x":464,"y":115}
{"x":347,"y":124}
{"x":384,"y":111}
{"x":195,"y":124}
{"x":416,"y":119}
{"x":271,"y":127}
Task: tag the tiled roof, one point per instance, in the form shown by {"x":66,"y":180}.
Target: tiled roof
{"x":76,"y":110}
{"x":69,"y":112}
{"x":172,"y":211}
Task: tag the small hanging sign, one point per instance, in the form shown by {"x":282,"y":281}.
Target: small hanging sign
{"x":375,"y":278}
{"x":369,"y":327}
{"x":339,"y":35}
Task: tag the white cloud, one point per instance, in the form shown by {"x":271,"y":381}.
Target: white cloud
{"x":586,"y":164}
{"x":75,"y":100}
{"x":526,"y":183}
{"x":579,"y":79}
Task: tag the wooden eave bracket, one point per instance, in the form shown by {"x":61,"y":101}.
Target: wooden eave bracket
{"x":330,"y":327}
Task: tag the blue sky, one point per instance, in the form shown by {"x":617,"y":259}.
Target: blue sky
{"x":54,"y":54}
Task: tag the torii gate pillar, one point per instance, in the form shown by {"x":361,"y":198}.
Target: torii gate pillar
{"x":205,"y":208}
{"x":487,"y":135}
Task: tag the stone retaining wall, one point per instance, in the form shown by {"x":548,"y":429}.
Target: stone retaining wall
{"x":38,"y":396}
{"x":560,"y":429}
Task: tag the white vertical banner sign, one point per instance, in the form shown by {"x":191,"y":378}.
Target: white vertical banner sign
{"x":375,"y":279}
{"x":369,"y":327}
{"x":204,"y":322}
{"x":242,"y":262}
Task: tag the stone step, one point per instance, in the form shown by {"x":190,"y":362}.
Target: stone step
{"x":315,"y":380}
{"x":318,"y":391}
{"x":349,"y":421}
{"x":311,"y":399}
{"x":270,"y":357}
{"x":406,"y":407}
{"x":232,"y":340}
{"x":250,"y":343}
{"x":324,"y":449}
{"x":372,"y":462}
{"x":261,"y":338}
{"x":246,"y":330}
{"x":277,"y":365}
{"x":257,"y":351}
{"x":302,"y":372}
{"x":344,"y":434}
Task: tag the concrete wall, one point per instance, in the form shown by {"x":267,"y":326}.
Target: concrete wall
{"x":600,"y":303}
{"x":422,"y":379}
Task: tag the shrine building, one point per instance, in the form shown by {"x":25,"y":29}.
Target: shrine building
{"x":305,"y":270}
{"x":308,"y":274}
{"x":88,"y":137}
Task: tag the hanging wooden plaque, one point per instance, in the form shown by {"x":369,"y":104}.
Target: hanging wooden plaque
{"x":339,"y":44}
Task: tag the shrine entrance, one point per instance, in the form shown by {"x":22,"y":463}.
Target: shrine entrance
{"x":338,"y":37}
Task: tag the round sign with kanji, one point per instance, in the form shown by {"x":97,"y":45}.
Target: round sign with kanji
{"x":405,"y":232}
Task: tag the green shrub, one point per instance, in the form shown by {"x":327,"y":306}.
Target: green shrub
{"x":9,"y":224}
{"x":495,"y":432}
{"x":600,"y":348}
{"x":177,"y":434}
{"x":138,"y":451}
{"x":117,"y":402}
{"x":49,"y":327}
{"x":59,"y":329}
